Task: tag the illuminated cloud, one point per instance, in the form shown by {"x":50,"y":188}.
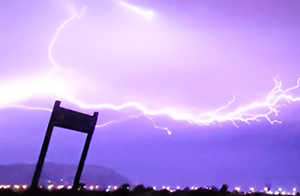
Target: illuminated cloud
{"x":156,"y":69}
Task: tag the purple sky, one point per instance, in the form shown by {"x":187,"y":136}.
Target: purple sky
{"x":185,"y":58}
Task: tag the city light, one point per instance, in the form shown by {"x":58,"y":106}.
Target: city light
{"x":114,"y":187}
{"x":50,"y":186}
{"x":16,"y":186}
{"x":60,"y":186}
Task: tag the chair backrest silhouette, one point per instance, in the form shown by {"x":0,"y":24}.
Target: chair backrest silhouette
{"x":68,"y":119}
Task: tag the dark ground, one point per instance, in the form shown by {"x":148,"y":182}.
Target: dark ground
{"x":139,"y":190}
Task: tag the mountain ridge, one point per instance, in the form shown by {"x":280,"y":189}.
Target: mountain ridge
{"x":61,"y":174}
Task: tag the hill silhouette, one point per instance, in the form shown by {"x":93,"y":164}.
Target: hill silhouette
{"x":61,"y":174}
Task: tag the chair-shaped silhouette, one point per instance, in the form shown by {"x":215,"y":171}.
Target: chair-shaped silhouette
{"x":68,"y":119}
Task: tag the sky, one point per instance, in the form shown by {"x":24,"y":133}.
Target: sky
{"x":188,"y":93}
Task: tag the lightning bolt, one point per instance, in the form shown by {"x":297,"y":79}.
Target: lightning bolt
{"x":146,"y":13}
{"x":245,"y":114}
{"x":105,"y":124}
{"x":25,"y":107}
{"x":255,"y":111}
{"x":58,"y":30}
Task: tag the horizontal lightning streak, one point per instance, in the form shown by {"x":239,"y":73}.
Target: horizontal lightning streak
{"x":25,"y":107}
{"x":244,"y":114}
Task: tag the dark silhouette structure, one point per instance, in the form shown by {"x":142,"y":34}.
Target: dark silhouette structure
{"x":68,"y":119}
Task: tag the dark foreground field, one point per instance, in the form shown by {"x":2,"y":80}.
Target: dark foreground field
{"x":137,"y":191}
